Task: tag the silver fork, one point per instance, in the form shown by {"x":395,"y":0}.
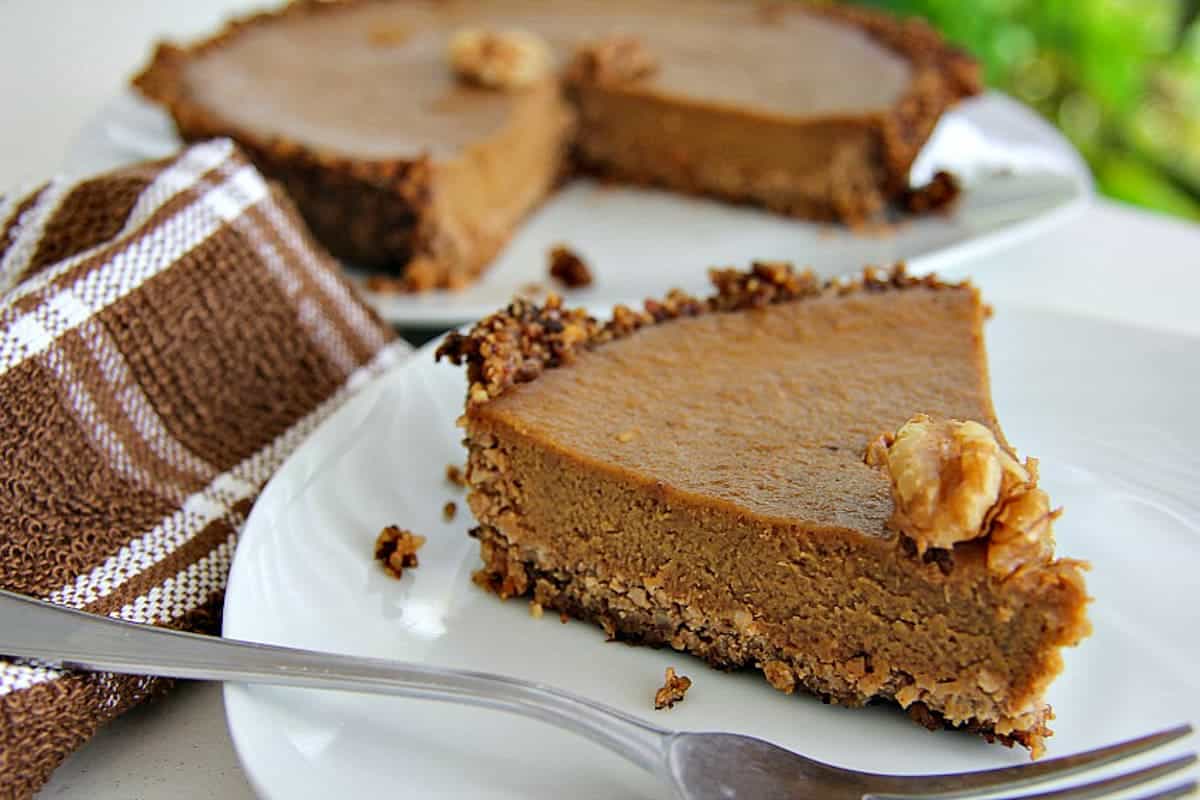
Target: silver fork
{"x":699,"y":766}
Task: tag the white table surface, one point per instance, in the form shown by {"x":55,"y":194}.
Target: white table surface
{"x":60,"y":60}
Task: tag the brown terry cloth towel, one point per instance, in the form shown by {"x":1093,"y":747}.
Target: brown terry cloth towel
{"x":169,"y":333}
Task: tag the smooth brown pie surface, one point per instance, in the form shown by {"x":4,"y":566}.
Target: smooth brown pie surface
{"x":397,"y":162}
{"x":710,"y":475}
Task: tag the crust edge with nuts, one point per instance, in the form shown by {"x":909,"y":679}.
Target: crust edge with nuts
{"x":520,"y":342}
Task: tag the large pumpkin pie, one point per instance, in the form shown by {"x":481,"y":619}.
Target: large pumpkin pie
{"x":804,"y":478}
{"x":415,"y":135}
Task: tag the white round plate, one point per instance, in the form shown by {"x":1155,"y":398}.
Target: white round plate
{"x":1020,"y":177}
{"x":1110,"y":410}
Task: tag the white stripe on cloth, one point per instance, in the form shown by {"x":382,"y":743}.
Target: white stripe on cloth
{"x":335,"y":290}
{"x":175,"y":597}
{"x":137,"y":407}
{"x":15,"y":676}
{"x":215,"y":500}
{"x":179,"y":177}
{"x":27,"y":234}
{"x":131,"y":265}
{"x":9,"y":203}
{"x":312,"y":317}
{"x":190,"y":588}
{"x":99,"y":431}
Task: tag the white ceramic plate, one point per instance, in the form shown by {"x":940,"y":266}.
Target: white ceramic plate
{"x":1109,"y":410}
{"x":1020,"y":177}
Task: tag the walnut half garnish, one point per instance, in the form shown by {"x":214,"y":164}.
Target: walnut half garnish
{"x":952,"y":481}
{"x":505,"y":60}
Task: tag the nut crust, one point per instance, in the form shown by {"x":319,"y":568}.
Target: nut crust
{"x":517,"y":344}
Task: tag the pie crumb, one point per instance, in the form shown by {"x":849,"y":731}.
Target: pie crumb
{"x":673,"y":689}
{"x":455,"y":475}
{"x":535,"y":609}
{"x":396,"y":549}
{"x":569,"y":268}
{"x":449,"y":510}
{"x":939,"y":194}
{"x":625,"y":437}
{"x":531,"y":290}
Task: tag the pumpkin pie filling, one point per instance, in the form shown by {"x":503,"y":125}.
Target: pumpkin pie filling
{"x":710,"y":475}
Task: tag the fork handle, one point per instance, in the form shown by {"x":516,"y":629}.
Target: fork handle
{"x":60,"y":636}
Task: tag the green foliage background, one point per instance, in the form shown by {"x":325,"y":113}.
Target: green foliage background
{"x":1121,"y":78}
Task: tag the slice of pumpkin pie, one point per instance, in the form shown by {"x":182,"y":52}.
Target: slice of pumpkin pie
{"x":806,"y":478}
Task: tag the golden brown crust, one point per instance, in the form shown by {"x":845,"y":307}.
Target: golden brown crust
{"x":942,"y":76}
{"x":515,"y":345}
{"x":1032,"y":739}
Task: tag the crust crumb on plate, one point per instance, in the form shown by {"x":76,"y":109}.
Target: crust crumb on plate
{"x":673,"y":689}
{"x":455,"y":475}
{"x":396,"y":549}
{"x":569,"y":268}
{"x":940,"y":194}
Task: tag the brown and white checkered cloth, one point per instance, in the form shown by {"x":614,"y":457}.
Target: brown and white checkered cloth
{"x":168,"y":334}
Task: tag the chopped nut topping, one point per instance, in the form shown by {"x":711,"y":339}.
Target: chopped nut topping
{"x":568,"y":267}
{"x":396,"y":549}
{"x":455,"y":475}
{"x":952,"y":482}
{"x":505,"y":60}
{"x":449,"y":510}
{"x":672,"y":691}
{"x":535,"y":609}
{"x":611,"y":60}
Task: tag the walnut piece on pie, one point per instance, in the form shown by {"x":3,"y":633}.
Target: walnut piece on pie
{"x":612,"y":60}
{"x":505,"y":60}
{"x":673,"y":689}
{"x":952,"y":481}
